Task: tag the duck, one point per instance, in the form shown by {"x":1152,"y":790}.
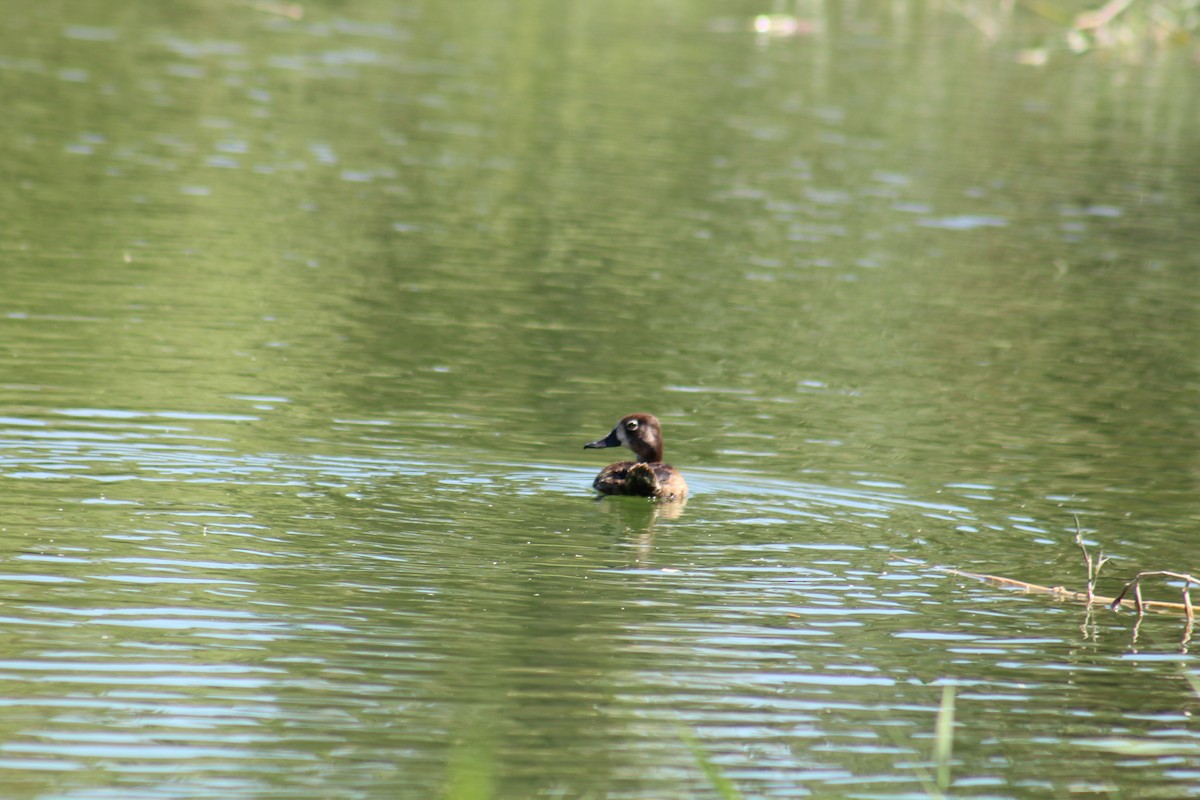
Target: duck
{"x":646,"y":477}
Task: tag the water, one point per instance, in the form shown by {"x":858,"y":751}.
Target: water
{"x":305,"y":321}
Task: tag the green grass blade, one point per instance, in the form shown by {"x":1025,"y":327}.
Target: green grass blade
{"x":721,"y":784}
{"x":943,"y":744}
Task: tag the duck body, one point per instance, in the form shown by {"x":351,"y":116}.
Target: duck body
{"x":646,"y":477}
{"x":640,"y":479}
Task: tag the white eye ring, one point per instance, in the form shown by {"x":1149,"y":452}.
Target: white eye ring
{"x":631,"y":425}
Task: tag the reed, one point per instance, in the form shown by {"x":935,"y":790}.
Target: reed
{"x":943,"y":739}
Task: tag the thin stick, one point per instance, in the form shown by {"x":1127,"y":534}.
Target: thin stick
{"x":1093,"y":567}
{"x":1087,"y":559}
{"x":1057,"y":591}
{"x":1187,"y":606}
{"x":1140,"y":605}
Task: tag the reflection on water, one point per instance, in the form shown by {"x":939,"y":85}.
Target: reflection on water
{"x":273,"y":623}
{"x":304,"y":317}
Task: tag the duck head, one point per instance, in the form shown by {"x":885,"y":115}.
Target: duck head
{"x":639,"y":432}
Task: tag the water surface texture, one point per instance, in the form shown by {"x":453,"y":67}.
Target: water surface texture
{"x":306,"y":312}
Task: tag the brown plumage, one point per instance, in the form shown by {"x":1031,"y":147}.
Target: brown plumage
{"x":646,"y":477}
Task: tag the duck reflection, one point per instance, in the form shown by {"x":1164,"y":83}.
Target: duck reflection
{"x":637,"y":518}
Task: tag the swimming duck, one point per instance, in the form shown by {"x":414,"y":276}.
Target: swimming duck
{"x":646,"y":477}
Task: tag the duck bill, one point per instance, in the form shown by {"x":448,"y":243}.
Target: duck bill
{"x":611,"y":440}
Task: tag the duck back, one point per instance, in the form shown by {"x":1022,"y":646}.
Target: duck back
{"x":641,"y":479}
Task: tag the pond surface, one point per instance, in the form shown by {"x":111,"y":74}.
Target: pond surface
{"x":307,"y":311}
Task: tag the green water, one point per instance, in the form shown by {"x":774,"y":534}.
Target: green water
{"x":304,"y":323}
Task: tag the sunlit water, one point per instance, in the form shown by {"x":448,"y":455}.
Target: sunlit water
{"x":305,"y":321}
{"x":187,"y":619}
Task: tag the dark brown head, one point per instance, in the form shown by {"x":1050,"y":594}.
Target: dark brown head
{"x":640,"y":433}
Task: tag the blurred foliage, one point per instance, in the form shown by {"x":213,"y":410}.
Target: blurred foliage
{"x":1129,"y":29}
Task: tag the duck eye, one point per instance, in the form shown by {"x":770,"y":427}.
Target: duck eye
{"x":631,"y":425}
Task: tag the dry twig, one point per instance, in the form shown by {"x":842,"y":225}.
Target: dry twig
{"x":1139,"y":605}
{"x":1093,"y":568}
